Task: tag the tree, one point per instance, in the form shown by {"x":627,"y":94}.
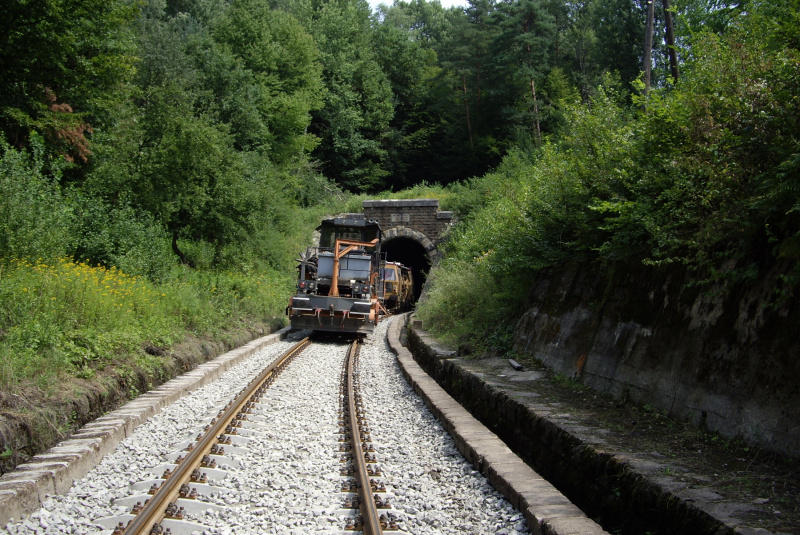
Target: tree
{"x":283,"y":60}
{"x":354,"y":120}
{"x":424,"y":22}
{"x":710,"y":15}
{"x":62,"y":74}
{"x":670,"y":37}
{"x":619,"y":28}
{"x":580,"y":40}
{"x":193,"y":149}
{"x":525,"y":44}
{"x":648,"y":44}
{"x":428,"y":141}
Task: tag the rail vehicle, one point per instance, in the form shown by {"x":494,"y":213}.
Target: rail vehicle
{"x":398,"y":287}
{"x":340,"y":280}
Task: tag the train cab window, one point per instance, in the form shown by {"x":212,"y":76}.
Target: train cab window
{"x":330,"y":234}
{"x":331,"y":230}
{"x":350,"y":233}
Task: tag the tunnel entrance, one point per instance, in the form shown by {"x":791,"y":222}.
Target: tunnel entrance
{"x":411,"y":254}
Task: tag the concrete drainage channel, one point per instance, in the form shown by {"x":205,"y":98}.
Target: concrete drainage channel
{"x":547,"y":511}
{"x":611,"y":487}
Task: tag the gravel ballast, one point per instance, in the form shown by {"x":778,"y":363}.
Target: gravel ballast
{"x":285,"y":478}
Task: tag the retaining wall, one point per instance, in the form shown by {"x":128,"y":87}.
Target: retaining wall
{"x":724,"y":357}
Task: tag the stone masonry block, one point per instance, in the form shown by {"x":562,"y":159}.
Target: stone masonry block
{"x":570,"y":525}
{"x":41,"y":480}
{"x":17,"y":499}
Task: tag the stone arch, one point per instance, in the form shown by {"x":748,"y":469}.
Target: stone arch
{"x":417,"y":236}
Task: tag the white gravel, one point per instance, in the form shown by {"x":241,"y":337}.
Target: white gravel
{"x":286,"y":479}
{"x":436,"y":489}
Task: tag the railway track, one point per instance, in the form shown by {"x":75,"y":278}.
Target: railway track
{"x":165,"y":502}
{"x":361,"y":457}
{"x":169,"y":497}
{"x":269,"y":461}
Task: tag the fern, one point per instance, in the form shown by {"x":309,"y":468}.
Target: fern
{"x":790,"y":248}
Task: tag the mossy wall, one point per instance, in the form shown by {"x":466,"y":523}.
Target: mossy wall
{"x":724,"y":357}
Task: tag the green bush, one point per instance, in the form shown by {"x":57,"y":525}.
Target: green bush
{"x":60,"y":316}
{"x":122,"y":238}
{"x":63,"y":317}
{"x":466,"y":304}
{"x":36,"y":220}
{"x":704,"y":174}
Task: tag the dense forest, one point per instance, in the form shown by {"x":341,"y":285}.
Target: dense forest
{"x":162,"y":161}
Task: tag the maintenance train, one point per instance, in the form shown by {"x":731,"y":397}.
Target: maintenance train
{"x":398,"y":287}
{"x":340,"y":281}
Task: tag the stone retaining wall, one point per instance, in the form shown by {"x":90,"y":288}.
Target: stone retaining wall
{"x":723,"y":357}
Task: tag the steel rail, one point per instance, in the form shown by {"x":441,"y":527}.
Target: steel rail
{"x":369,"y":511}
{"x":155,"y":509}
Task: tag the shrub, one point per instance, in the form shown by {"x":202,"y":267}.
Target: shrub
{"x":35,"y":218}
{"x":63,"y":317}
{"x":120,"y":237}
{"x":704,"y":173}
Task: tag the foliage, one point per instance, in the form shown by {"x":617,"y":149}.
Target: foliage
{"x":282,"y":57}
{"x":64,"y":318}
{"x":122,"y":238}
{"x":358,"y":104}
{"x":217,"y":133}
{"x":215,"y":145}
{"x":202,"y":157}
{"x":419,"y":191}
{"x":62,"y":73}
{"x":35,"y":218}
{"x":704,"y":174}
{"x":462,"y":305}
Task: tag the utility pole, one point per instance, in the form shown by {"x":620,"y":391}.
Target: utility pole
{"x":673,"y":54}
{"x":648,"y":45}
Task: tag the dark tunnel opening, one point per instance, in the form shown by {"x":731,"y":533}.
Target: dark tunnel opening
{"x":411,"y":254}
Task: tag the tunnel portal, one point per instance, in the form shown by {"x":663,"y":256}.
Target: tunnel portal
{"x":412,"y":232}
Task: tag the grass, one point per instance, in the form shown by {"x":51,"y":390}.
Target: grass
{"x":464,"y":305}
{"x":64,"y":318}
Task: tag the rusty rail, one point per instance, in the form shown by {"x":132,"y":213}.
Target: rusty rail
{"x":367,"y":505}
{"x":154,"y":510}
